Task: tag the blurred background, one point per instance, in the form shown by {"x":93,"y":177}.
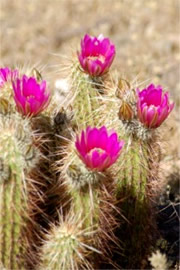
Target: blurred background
{"x":146,"y":34}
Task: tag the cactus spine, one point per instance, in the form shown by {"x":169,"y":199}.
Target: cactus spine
{"x":17,"y":154}
{"x":136,"y":173}
{"x":66,"y":245}
{"x":134,"y":184}
{"x":75,"y":212}
{"x":90,"y":192}
{"x":84,"y":98}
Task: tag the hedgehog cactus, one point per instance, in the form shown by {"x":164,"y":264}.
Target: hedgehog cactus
{"x":68,"y":245}
{"x":95,"y":59}
{"x":91,"y":189}
{"x":137,"y":168}
{"x":17,"y":155}
{"x":97,"y":187}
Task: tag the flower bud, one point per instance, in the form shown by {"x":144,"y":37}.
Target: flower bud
{"x":125,"y":112}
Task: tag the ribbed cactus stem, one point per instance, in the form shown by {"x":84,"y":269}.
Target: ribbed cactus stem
{"x":12,"y":208}
{"x":17,"y":155}
{"x":135,"y":169}
{"x":91,"y":193}
{"x":86,"y":99}
{"x":88,"y":191}
{"x":84,"y":187}
{"x":67,"y":246}
{"x":134,"y":184}
{"x":86,"y":202}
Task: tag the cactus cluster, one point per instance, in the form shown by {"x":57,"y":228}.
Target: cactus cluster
{"x":78,"y":179}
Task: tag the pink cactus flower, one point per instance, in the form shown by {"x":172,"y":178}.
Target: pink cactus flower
{"x":97,"y":54}
{"x":30,"y":96}
{"x":7,"y":74}
{"x":97,"y":148}
{"x":153,"y":106}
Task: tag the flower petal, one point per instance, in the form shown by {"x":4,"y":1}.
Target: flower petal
{"x":96,"y":55}
{"x":98,"y":148}
{"x":153,"y":106}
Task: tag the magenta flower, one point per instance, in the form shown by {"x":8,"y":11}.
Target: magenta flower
{"x":30,"y":96}
{"x":7,"y":74}
{"x":98,"y":149}
{"x":153,"y":106}
{"x":97,"y":54}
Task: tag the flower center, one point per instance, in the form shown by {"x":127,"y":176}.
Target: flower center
{"x":152,"y":106}
{"x":99,"y":57}
{"x":99,"y":150}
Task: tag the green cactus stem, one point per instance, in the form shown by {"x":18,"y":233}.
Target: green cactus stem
{"x":135,"y":182}
{"x":85,"y":98}
{"x":67,"y":246}
{"x":12,"y":218}
{"x":17,"y":155}
{"x":42,"y":198}
{"x":93,"y":204}
{"x":136,"y":174}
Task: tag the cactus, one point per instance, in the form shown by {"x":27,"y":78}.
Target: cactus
{"x":136,"y":172}
{"x":84,"y":99}
{"x":66,"y":247}
{"x":92,"y":167}
{"x":92,"y":201}
{"x":135,"y":183}
{"x":17,"y":155}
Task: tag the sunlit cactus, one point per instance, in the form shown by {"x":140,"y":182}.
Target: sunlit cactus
{"x":78,"y":179}
{"x":95,"y":59}
{"x":91,"y":191}
{"x":67,"y":245}
{"x":137,"y":169}
{"x":17,"y":156}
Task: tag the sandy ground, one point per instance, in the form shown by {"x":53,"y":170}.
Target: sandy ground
{"x":145,"y":32}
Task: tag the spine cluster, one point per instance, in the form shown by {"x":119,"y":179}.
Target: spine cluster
{"x":77,"y":183}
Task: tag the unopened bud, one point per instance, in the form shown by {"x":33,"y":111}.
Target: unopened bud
{"x":125,"y":112}
{"x":123,"y":87}
{"x":4,"y":106}
{"x":37,"y":75}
